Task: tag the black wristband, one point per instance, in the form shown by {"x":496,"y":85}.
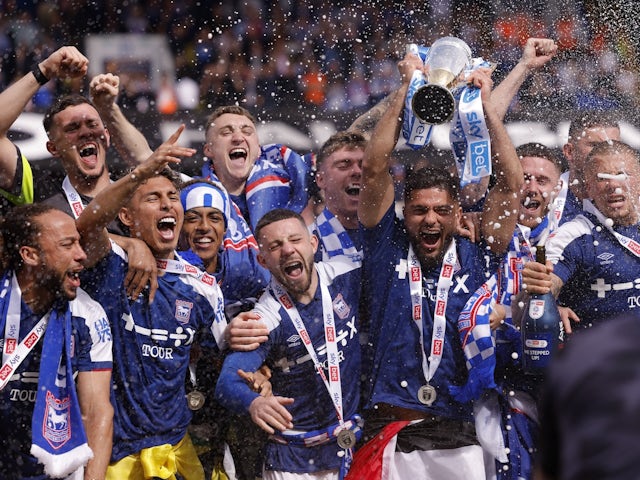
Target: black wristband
{"x":40,"y":78}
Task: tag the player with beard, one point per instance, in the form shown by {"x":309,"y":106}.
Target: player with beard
{"x":418,"y":276}
{"x":152,"y":341}
{"x":312,"y":350}
{"x":593,"y":258}
{"x":511,"y":394}
{"x":41,"y":298}
{"x":537,"y":217}
{"x":207,"y":210}
{"x":78,"y":137}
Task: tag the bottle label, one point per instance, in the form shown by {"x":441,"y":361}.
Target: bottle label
{"x":536,"y":308}
{"x":537,"y":350}
{"x":536,"y":343}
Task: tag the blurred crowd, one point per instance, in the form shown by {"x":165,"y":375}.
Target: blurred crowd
{"x":337,"y":56}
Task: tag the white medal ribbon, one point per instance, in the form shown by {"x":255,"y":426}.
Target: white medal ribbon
{"x":430,"y":365}
{"x":333,"y":383}
{"x":559,"y":202}
{"x":73,"y":197}
{"x":13,"y":356}
{"x":630,"y":244}
{"x":179,"y":266}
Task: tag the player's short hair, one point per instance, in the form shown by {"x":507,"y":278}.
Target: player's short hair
{"x":276,"y":215}
{"x":431,"y":177}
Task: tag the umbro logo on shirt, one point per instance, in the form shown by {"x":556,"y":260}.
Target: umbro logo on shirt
{"x":606,"y":258}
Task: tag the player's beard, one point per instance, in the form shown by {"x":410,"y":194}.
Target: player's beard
{"x":299,"y":286}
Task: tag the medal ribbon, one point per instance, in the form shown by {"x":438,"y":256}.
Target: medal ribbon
{"x":630,"y":244}
{"x":12,"y":357}
{"x":559,"y":202}
{"x":181,"y":267}
{"x":73,"y":197}
{"x":430,"y":365}
{"x":333,"y":385}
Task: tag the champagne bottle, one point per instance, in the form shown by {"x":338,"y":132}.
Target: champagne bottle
{"x":540,"y":327}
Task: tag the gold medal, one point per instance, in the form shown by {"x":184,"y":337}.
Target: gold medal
{"x":346,"y":439}
{"x":427,"y":395}
{"x":195,"y":400}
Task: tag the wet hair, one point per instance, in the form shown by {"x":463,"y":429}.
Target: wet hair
{"x":612,"y":147}
{"x":591,"y":119}
{"x":22,"y":227}
{"x":431,"y":177}
{"x":232,"y":109}
{"x":346,"y":139}
{"x":61,"y":104}
{"x":167,"y":172}
{"x":540,"y":151}
{"x":276,"y":215}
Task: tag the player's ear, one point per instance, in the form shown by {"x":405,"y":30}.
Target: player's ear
{"x":125,"y":216}
{"x":30,"y":255}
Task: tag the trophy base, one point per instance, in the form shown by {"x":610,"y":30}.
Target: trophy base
{"x":433,"y":104}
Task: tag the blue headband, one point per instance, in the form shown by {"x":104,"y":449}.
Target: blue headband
{"x":203,"y":194}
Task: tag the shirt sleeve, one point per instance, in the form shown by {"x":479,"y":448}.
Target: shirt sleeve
{"x":22,"y":193}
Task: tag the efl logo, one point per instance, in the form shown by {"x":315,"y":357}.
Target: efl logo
{"x":437,"y":347}
{"x":470,"y":94}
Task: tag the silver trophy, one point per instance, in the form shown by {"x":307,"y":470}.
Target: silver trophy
{"x":447,"y":58}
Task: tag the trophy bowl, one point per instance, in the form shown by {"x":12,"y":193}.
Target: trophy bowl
{"x":433,"y":104}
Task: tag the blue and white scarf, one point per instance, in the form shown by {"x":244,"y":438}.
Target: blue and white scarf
{"x":59,"y":441}
{"x":478,"y":342}
{"x":334,"y":239}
